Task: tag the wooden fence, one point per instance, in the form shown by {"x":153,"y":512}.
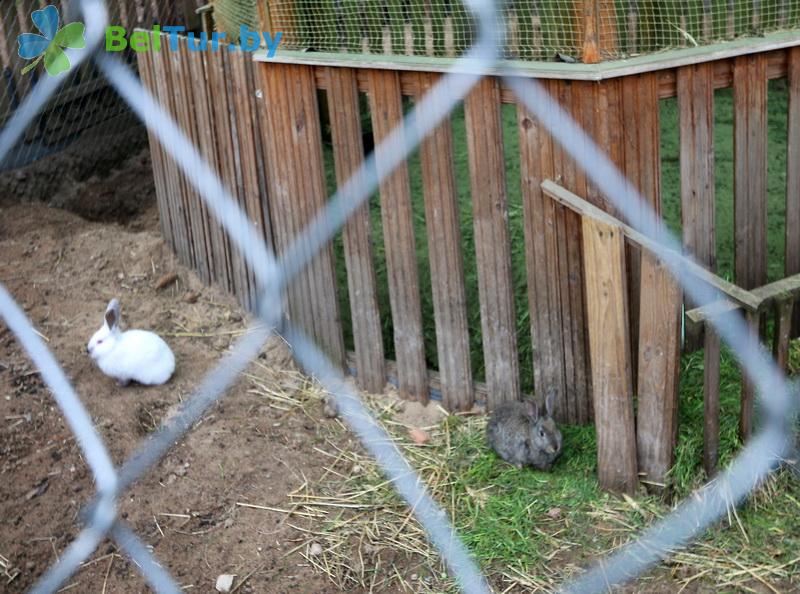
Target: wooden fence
{"x":259,"y":124}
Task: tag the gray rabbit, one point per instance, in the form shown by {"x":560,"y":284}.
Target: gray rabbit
{"x":520,"y":435}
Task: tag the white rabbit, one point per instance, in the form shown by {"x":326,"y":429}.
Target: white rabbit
{"x":135,"y":355}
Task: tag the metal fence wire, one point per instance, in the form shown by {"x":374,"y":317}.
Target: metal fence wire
{"x":763,"y":454}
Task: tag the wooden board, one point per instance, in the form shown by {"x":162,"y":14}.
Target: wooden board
{"x":146,"y":74}
{"x":398,"y":231}
{"x":793,"y":177}
{"x":175,"y":186}
{"x":698,"y":207}
{"x":748,"y":396}
{"x":571,"y":95}
{"x":711,"y":377}
{"x":445,"y":249}
{"x":750,"y":170}
{"x":184,"y":114}
{"x":492,"y":243}
{"x":696,"y":109}
{"x":226,"y":161}
{"x":203,"y":73}
{"x":659,"y":369}
{"x":607,"y":316}
{"x":783,"y":327}
{"x":293,"y":150}
{"x":348,"y":152}
{"x":536,"y":165}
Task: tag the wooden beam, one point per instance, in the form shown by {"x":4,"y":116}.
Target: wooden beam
{"x":658,"y":370}
{"x":763,"y":297}
{"x":607,"y":320}
{"x":579,"y":205}
{"x":658,"y":61}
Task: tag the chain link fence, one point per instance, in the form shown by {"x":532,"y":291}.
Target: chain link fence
{"x":762,"y":455}
{"x":84,"y":104}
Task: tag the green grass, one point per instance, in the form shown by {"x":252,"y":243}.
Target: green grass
{"x":530,"y":529}
{"x":503,"y":513}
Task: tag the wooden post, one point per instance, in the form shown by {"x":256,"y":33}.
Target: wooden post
{"x":591,"y":50}
{"x":348,"y":152}
{"x":659,"y":368}
{"x":793,"y":177}
{"x":783,"y":327}
{"x":748,"y":395}
{"x":398,"y":233}
{"x":607,"y":316}
{"x":492,"y":242}
{"x":711,"y":363}
{"x":633,"y":27}
{"x":750,"y":170}
{"x":445,"y":250}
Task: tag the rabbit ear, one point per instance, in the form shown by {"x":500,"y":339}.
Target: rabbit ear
{"x":532,"y":410}
{"x":549,"y":401}
{"x":112,"y":314}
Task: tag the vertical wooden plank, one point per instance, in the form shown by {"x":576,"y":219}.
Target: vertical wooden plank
{"x":492,"y":243}
{"x":659,"y":369}
{"x":748,"y":396}
{"x":237,"y":127}
{"x":696,"y":109}
{"x":206,"y":144}
{"x":219,"y":112}
{"x":401,"y":260}
{"x":711,"y":364}
{"x":633,"y":134}
{"x":446,"y":261}
{"x":566,"y":223}
{"x":146,"y":74}
{"x":783,"y":331}
{"x":248,"y":130}
{"x":293,"y":143}
{"x":348,"y":152}
{"x":607,"y":317}
{"x":793,"y":177}
{"x":536,"y":165}
{"x":171,"y":176}
{"x":185,"y":113}
{"x":580,"y":395}
{"x":750,"y":170}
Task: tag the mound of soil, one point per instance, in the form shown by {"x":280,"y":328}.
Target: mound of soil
{"x":105,"y":176}
{"x":63,"y":270}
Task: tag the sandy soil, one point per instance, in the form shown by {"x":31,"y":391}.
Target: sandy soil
{"x":63,"y":269}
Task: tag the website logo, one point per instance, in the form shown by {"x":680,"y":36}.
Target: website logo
{"x":50,"y":45}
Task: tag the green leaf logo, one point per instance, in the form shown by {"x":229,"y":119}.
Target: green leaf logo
{"x":50,"y":45}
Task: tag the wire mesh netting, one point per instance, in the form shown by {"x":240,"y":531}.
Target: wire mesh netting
{"x":538,"y":30}
{"x":84,"y":102}
{"x":765,"y":452}
{"x":230,"y":15}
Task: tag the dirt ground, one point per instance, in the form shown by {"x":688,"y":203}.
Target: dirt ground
{"x":192,"y":508}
